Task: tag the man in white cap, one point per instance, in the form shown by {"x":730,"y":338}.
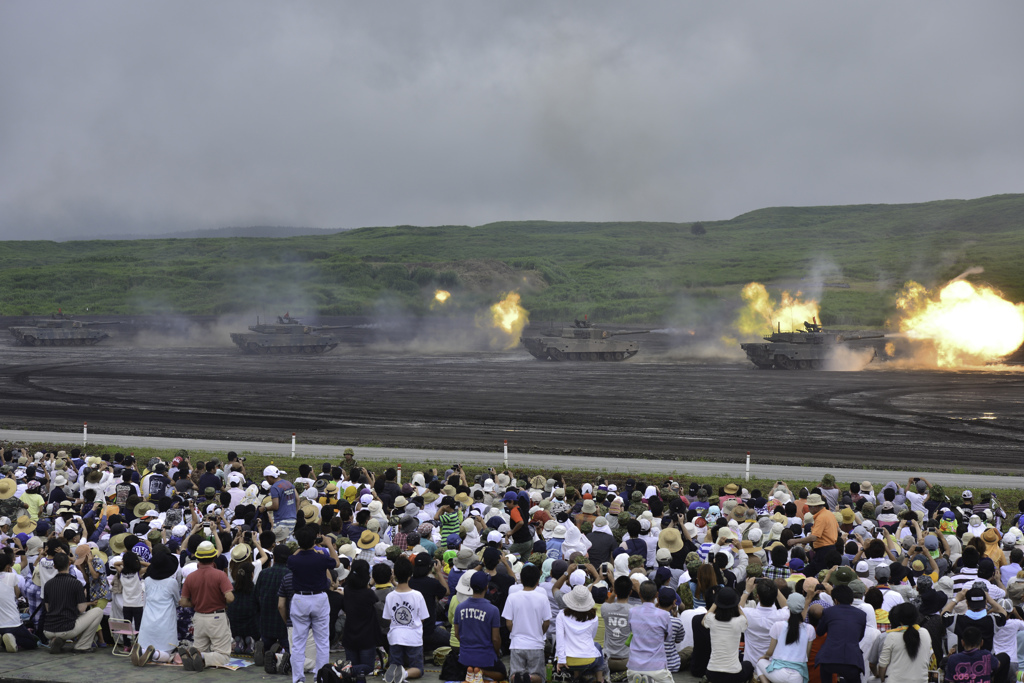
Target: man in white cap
{"x":283,"y":502}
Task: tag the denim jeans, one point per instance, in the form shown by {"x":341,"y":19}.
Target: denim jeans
{"x":362,"y":660}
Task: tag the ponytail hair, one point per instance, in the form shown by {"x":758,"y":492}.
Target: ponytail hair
{"x":130,"y":563}
{"x":907,"y":615}
{"x":796,"y":622}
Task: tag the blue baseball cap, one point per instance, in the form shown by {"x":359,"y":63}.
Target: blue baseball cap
{"x":510,"y":497}
{"x":453,"y":540}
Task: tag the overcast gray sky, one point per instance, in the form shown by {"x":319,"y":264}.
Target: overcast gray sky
{"x":143,"y":117}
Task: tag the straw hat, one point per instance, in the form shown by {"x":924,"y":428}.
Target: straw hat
{"x":731,"y":489}
{"x":142,"y":508}
{"x":206,"y":551}
{"x":24,"y":525}
{"x":241,"y":552}
{"x":116,"y":544}
{"x":310,"y":514}
{"x":368,"y":540}
{"x":671,"y":540}
{"x":814,"y":500}
{"x":579,"y":599}
{"x":7,"y":488}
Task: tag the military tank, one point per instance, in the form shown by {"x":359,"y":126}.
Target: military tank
{"x":583,"y":341}
{"x":287,"y":335}
{"x":812,"y":348}
{"x":59,"y":330}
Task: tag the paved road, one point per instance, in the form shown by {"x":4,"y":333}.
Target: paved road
{"x":527,"y":460}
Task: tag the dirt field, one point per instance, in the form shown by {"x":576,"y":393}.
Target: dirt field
{"x":407,"y":392}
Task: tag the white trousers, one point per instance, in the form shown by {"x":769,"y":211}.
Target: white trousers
{"x":309,"y":612}
{"x":783,"y":675}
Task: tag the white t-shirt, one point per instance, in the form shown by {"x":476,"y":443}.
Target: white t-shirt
{"x":725,"y":640}
{"x":9,"y":617}
{"x":528,"y":610}
{"x":132,"y":591}
{"x":916,"y":501}
{"x":1005,"y":640}
{"x":406,"y":612}
{"x":796,"y":651}
{"x":760,"y":621}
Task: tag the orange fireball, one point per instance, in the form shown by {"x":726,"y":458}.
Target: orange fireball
{"x":968,"y":324}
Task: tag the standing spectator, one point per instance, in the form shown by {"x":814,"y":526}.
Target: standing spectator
{"x":477,"y":625}
{"x":726,"y":624}
{"x":68,"y":613}
{"x":575,"y":631}
{"x":310,"y":608}
{"x":519,"y":514}
{"x":528,"y":615}
{"x":282,"y":502}
{"x":789,"y":646}
{"x":208,"y":591}
{"x":844,"y":625}
{"x":404,"y":610}
{"x":650,"y":628}
{"x":824,"y":532}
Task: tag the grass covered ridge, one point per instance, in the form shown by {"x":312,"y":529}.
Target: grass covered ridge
{"x":623,"y":271}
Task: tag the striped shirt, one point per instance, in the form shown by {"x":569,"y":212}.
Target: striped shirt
{"x":450,"y":523}
{"x":62,"y":595}
{"x":676,"y":633}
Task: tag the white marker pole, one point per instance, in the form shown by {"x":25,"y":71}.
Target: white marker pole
{"x":293,"y":444}
{"x":85,"y":433}
{"x":399,"y":474}
{"x":506,"y":454}
{"x":748,"y":467}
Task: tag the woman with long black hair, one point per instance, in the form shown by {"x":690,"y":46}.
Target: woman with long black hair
{"x":786,"y":658}
{"x":907,"y":651}
{"x":726,"y":623}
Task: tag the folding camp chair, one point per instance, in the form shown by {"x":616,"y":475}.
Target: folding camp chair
{"x":122,"y":629}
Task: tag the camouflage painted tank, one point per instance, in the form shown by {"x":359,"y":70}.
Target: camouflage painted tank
{"x":288,"y":335}
{"x":59,"y":330}
{"x":812,"y":348}
{"x":583,"y":341}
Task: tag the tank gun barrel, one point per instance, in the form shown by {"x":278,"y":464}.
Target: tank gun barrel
{"x":101,"y":322}
{"x":619,"y":333}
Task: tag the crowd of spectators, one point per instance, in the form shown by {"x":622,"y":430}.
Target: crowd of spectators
{"x":510,"y":579}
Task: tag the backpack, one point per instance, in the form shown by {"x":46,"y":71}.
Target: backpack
{"x":335,"y":672}
{"x":451,"y":670}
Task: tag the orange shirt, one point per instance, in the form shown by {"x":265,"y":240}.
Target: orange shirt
{"x":826,"y":528}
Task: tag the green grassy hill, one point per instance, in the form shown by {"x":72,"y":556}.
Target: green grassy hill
{"x":627,"y":272}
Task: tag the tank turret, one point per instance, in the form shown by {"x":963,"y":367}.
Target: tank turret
{"x":582,"y":341}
